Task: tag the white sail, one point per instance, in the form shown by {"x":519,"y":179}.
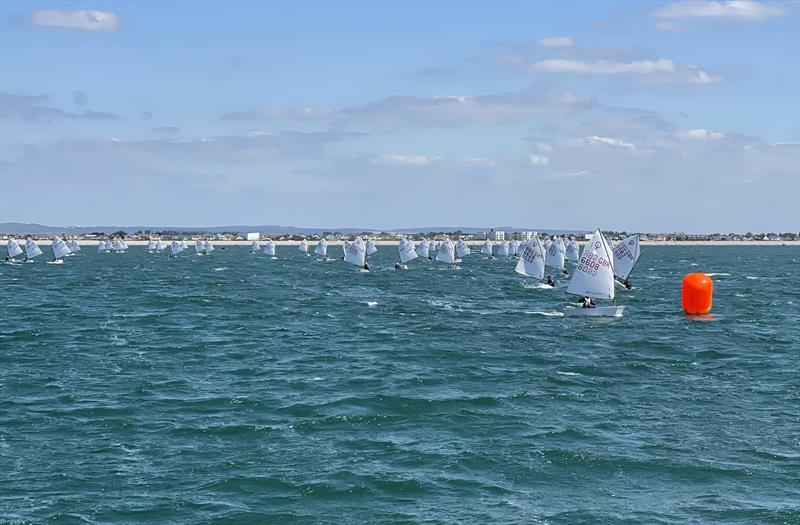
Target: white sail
{"x":175,"y":248}
{"x":74,"y":246}
{"x":625,"y":256}
{"x":303,"y":247}
{"x":123,"y":244}
{"x":269,"y":249}
{"x":209,"y":247}
{"x":486,"y":249}
{"x":461,"y":248}
{"x":407,"y":252}
{"x":594,"y":276}
{"x":184,"y":245}
{"x":254,"y":246}
{"x":355,"y":252}
{"x":446,"y":252}
{"x":151,"y":245}
{"x":423,"y":248}
{"x":60,"y":248}
{"x":555,"y":254}
{"x":160,"y":246}
{"x":513,"y":247}
{"x":200,"y":246}
{"x":531,"y":259}
{"x":13,"y":248}
{"x":572,"y":251}
{"x":322,"y":247}
{"x":31,"y":248}
{"x":117,"y":246}
{"x":547,"y":243}
{"x":502,"y":249}
{"x":371,"y":248}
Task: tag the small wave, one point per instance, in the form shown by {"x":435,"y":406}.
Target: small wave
{"x":547,"y":314}
{"x":718,"y":274}
{"x":221,"y":269}
{"x":752,"y":278}
{"x":372,"y":303}
{"x":568,"y":373}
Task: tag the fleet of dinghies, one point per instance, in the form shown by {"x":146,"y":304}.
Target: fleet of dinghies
{"x":593,"y":275}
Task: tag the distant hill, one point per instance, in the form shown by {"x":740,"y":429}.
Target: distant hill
{"x":18,"y":228}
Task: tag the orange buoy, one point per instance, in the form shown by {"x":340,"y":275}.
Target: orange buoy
{"x":698,"y":289}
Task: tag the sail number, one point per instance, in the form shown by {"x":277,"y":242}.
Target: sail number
{"x":591,"y":263}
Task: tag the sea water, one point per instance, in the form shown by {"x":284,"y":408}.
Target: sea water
{"x":237,"y":389}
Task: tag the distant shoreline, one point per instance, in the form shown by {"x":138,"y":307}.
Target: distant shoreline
{"x":312,"y":243}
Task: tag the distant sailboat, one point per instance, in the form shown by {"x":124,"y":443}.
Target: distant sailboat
{"x":371,"y":248}
{"x":200,"y":247}
{"x":151,"y":246}
{"x":322,"y":249}
{"x":13,"y":250}
{"x":60,"y":250}
{"x":486,"y":249}
{"x":356,"y":253}
{"x":74,"y":246}
{"x":423,"y":249}
{"x":303,"y":246}
{"x":118,"y":246}
{"x":255,"y":247}
{"x":531,"y":260}
{"x":407,"y":253}
{"x":555,"y":255}
{"x":269,"y":249}
{"x":447,"y":252}
{"x":513,"y":248}
{"x":184,"y":245}
{"x":573,"y":252}
{"x":594,"y":278}
{"x":175,"y":248}
{"x":502,"y":249}
{"x":160,"y":246}
{"x":209,"y":247}
{"x":626,"y":254}
{"x":461,"y":248}
{"x":32,"y":249}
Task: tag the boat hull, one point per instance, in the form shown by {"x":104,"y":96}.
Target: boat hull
{"x":598,"y":311}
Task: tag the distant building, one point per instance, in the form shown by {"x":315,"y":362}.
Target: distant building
{"x":526,"y":236}
{"x":499,"y":235}
{"x":253,"y":236}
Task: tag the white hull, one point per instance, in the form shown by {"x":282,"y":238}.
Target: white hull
{"x":598,"y":311}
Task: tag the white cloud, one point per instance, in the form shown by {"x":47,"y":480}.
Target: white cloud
{"x":538,"y":160}
{"x":406,"y":160}
{"x":661,"y":70}
{"x":556,"y":42}
{"x":544,"y":147}
{"x":594,"y":139}
{"x":737,"y":9}
{"x":442,"y":110}
{"x":702,"y":134}
{"x":78,"y":20}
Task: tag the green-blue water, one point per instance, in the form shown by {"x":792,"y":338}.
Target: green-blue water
{"x":238,"y":389}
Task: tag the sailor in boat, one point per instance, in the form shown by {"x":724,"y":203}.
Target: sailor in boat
{"x":627,"y":284}
{"x":396,"y":265}
{"x":587,"y":302}
{"x":550,"y":281}
{"x":366,"y":266}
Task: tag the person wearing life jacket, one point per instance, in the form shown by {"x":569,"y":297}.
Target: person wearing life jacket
{"x":397,"y":266}
{"x":366,"y":266}
{"x":586,"y":302}
{"x":627,"y":284}
{"x":550,"y":281}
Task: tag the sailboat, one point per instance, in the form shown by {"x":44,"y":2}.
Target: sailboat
{"x":118,"y":246}
{"x":151,"y":246}
{"x":255,"y":247}
{"x":462,"y":249}
{"x":572,"y":252}
{"x":423,"y":249}
{"x":160,"y":246}
{"x":304,"y":246}
{"x":184,"y":245}
{"x":513,"y":248}
{"x":407,"y":253}
{"x":74,"y":246}
{"x":447,"y":253}
{"x":486,"y":249}
{"x":555,"y":255}
{"x":594,"y":278}
{"x":210,"y":247}
{"x":269,"y":249}
{"x":626,"y":254}
{"x":502,"y":249}
{"x":31,"y":249}
{"x":531,"y":260}
{"x":13,"y":250}
{"x":356,"y":253}
{"x":371,"y":248}
{"x":60,"y":250}
{"x":322,"y":249}
{"x":175,"y":248}
{"x":200,"y":247}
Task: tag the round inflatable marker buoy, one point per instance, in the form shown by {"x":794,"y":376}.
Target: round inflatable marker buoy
{"x":698,"y":291}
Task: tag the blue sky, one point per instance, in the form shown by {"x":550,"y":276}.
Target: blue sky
{"x":650,"y":116}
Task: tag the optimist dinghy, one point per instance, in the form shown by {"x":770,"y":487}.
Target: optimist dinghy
{"x":594,"y":278}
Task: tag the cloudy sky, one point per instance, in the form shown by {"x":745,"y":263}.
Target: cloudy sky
{"x":643,"y":116}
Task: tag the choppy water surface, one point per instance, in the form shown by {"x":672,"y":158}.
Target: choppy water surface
{"x":238,"y":389}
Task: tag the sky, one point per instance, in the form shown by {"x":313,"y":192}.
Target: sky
{"x":638,"y":116}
